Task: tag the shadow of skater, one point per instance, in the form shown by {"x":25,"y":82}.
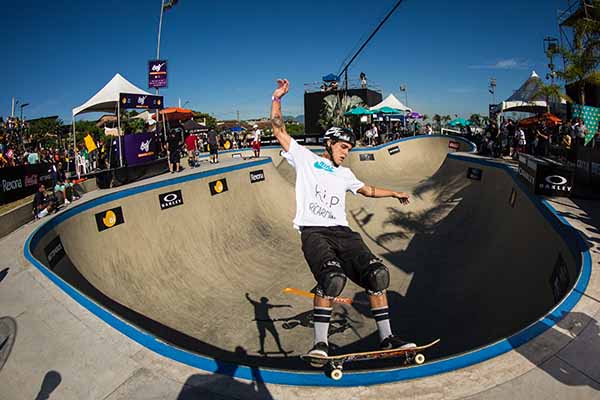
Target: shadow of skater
{"x":3,"y":274}
{"x":577,"y":363}
{"x":49,"y":384}
{"x":264,"y":322}
{"x":223,"y":385}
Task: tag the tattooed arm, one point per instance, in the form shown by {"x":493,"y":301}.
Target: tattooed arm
{"x":372,"y":191}
{"x":276,"y":118}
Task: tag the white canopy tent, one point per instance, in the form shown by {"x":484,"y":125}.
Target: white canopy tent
{"x":524,"y":99}
{"x":393,"y":102}
{"x":107,"y":100}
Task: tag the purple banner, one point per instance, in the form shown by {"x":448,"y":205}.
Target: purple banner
{"x":139,"y":148}
{"x":157,"y":73}
{"x":144,"y":101}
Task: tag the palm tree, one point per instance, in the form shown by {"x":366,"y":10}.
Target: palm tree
{"x":581,"y":63}
{"x":551,"y":92}
{"x":446,"y":119}
{"x":334,"y":108}
{"x":475,"y":119}
{"x":438,"y":121}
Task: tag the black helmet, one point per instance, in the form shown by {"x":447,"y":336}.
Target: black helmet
{"x":340,"y":134}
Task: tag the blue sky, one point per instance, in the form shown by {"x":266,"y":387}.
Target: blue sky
{"x":225,"y":56}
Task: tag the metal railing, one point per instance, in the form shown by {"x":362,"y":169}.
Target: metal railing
{"x":352,"y":84}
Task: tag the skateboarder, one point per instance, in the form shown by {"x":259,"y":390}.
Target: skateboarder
{"x":332,"y":250}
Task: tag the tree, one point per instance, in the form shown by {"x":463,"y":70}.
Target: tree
{"x":200,"y":117}
{"x":334,"y":108}
{"x":551,"y":92}
{"x":475,"y":119}
{"x":446,"y":119}
{"x":437,"y":119}
{"x":45,"y":131}
{"x":581,"y":63}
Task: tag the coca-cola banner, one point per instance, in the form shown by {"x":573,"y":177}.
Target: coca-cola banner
{"x":157,"y":73}
{"x":20,"y":182}
{"x":140,"y":101}
{"x":139,"y":148}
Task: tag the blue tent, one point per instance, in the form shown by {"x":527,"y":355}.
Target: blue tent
{"x":237,"y":129}
{"x":331,"y":78}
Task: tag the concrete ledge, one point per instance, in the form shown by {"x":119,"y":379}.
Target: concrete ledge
{"x":17,"y":217}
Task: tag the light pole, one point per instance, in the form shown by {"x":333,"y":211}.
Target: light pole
{"x":404,"y":88}
{"x":492,"y":89}
{"x":550,"y":49}
{"x":22,"y":127}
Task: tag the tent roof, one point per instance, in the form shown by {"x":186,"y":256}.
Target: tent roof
{"x":523,"y":99}
{"x":107,"y":98}
{"x":392,"y":102}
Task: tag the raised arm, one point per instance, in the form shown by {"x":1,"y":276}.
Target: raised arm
{"x":277,"y":123}
{"x":372,"y":191}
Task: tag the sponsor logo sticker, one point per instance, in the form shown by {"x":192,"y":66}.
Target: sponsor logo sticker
{"x":475,"y":174}
{"x":54,"y":252}
{"x":394,"y":150}
{"x":367,"y":157}
{"x":31,"y":180}
{"x":109,"y":218}
{"x":7,"y":186}
{"x":218,"y":186}
{"x":170,"y":199}
{"x":453,"y":145}
{"x":257,"y":176}
{"x":555,"y":183}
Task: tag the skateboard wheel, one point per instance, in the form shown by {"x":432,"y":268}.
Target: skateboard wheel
{"x":336,"y":374}
{"x":419,"y":359}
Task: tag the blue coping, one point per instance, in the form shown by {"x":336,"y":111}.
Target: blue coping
{"x":317,"y":378}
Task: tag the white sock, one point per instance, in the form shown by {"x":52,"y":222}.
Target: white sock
{"x":321,"y":317}
{"x":382,"y":318}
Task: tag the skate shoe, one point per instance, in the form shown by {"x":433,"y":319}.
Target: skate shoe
{"x":320,"y":349}
{"x":394,"y":342}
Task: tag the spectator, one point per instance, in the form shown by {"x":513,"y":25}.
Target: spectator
{"x":191,"y":146}
{"x":33,"y":157}
{"x":59,"y":180}
{"x":520,"y":140}
{"x":363,"y":80}
{"x":41,"y":204}
{"x":256,"y":141}
{"x":213,"y":147}
{"x":174,"y":149}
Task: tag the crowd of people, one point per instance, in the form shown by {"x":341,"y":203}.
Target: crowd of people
{"x":541,"y":139}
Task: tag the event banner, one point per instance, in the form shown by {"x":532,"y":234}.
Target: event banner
{"x":546,"y":177}
{"x":139,"y":148}
{"x":20,"y":182}
{"x":157,"y":73}
{"x":144,"y":101}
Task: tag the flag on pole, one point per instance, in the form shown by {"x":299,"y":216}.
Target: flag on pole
{"x":169,"y":4}
{"x":590,"y":116}
{"x":89,"y":143}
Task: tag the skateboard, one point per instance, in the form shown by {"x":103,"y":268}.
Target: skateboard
{"x":335,"y":364}
{"x":304,"y":293}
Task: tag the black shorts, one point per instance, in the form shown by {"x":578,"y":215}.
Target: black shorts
{"x":337,"y":243}
{"x":214,"y":149}
{"x":174,"y":157}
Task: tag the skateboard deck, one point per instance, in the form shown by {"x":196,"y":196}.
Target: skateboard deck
{"x":304,"y":293}
{"x":336,"y":363}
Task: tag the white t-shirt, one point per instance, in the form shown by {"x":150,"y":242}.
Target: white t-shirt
{"x":320,"y":188}
{"x":257,"y":134}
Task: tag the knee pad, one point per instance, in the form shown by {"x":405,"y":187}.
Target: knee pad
{"x":376,"y":278}
{"x":331,"y":280}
